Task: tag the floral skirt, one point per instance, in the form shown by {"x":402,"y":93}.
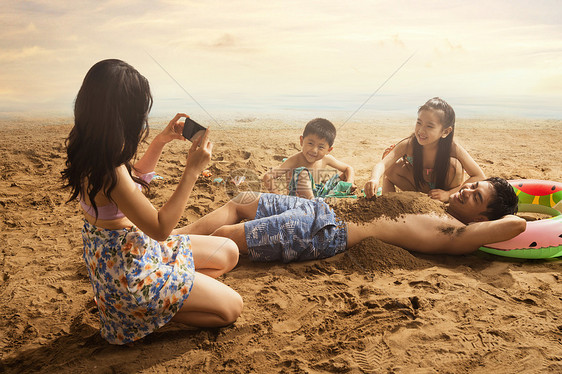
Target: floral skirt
{"x":139,"y":283}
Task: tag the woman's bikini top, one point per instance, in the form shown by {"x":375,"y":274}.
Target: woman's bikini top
{"x":410,"y":160}
{"x":111,"y":211}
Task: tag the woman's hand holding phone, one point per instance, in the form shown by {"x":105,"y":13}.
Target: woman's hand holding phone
{"x":173,"y":131}
{"x":199,"y":154}
{"x":192,"y":130}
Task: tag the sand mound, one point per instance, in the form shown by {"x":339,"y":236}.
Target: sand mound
{"x":392,"y":205}
{"x":372,"y":255}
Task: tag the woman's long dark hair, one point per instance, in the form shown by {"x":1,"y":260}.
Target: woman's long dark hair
{"x":110,"y":120}
{"x":442,"y":159}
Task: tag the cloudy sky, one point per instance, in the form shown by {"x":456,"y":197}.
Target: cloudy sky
{"x":497,"y":58}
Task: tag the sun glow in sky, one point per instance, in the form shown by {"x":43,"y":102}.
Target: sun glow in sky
{"x":487,"y":58}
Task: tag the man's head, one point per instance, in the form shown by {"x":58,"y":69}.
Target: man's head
{"x":317,"y":139}
{"x":487,"y":200}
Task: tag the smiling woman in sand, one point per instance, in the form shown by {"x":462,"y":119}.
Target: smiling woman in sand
{"x":143,"y":273}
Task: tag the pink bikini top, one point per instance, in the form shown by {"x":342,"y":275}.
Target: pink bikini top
{"x":111,"y":211}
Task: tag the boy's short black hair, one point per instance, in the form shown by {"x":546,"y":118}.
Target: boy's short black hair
{"x":322,"y":128}
{"x":505,"y":200}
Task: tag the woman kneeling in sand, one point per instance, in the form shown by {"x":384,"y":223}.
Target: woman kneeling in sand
{"x":143,"y":272}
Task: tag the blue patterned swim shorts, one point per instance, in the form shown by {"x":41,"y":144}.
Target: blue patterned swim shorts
{"x":289,"y":228}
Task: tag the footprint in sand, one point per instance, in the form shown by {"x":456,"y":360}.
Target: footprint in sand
{"x":375,"y":358}
{"x":54,"y":277}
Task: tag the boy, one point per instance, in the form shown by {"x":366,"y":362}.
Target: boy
{"x":309,"y":165}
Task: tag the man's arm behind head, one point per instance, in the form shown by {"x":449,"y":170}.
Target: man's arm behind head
{"x":432,"y":233}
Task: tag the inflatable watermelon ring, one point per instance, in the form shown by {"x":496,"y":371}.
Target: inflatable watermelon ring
{"x":542,"y":238}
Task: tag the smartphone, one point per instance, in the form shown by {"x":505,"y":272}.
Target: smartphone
{"x":191,"y":129}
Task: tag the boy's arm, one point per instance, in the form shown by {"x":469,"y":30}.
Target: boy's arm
{"x":304,"y":186}
{"x":270,"y":177}
{"x":347,"y":171}
{"x":444,"y":234}
{"x":268,"y":181}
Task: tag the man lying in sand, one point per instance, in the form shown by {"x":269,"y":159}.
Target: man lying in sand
{"x":288,"y":228}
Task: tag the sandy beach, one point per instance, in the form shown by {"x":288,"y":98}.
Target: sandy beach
{"x":376,"y":308}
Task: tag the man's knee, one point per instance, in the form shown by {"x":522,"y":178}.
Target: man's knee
{"x":224,"y":231}
{"x":236,"y":233}
{"x":244,"y":205}
{"x":244,"y":198}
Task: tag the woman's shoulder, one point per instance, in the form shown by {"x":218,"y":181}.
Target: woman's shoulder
{"x":405,"y":146}
{"x":461,"y":154}
{"x":124,"y":179}
{"x":456,"y":149}
{"x":122,"y":172}
{"x":122,"y":175}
